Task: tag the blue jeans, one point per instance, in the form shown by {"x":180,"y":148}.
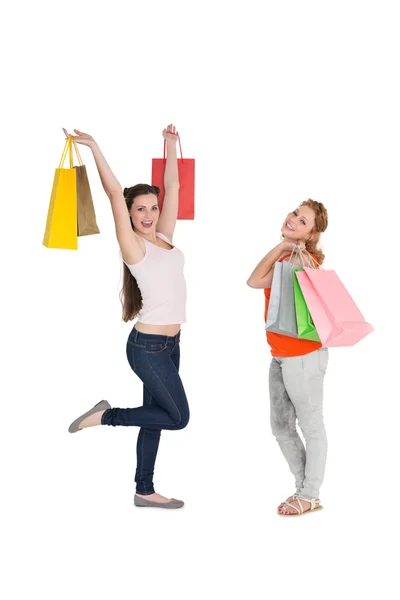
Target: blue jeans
{"x":155,"y":360}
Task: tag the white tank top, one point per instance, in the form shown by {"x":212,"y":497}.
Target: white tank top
{"x":160,"y":278}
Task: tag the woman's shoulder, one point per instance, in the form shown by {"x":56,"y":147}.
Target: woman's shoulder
{"x":284,"y":256}
{"x":295,"y":260}
{"x":164,"y":237}
{"x":136,"y":252}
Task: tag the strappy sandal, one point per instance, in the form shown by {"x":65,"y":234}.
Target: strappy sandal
{"x":300,"y":509}
{"x":293,"y":496}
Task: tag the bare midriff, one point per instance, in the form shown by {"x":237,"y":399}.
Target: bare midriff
{"x":168,"y":330}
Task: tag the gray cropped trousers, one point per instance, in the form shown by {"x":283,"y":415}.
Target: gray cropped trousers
{"x":296,"y":392}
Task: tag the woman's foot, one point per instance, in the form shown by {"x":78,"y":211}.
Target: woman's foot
{"x":157,"y":501}
{"x":90,"y":418}
{"x":290,"y":500}
{"x":284,"y":509}
{"x":155,"y":498}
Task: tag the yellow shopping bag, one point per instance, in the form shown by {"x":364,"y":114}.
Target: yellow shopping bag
{"x":61,"y":226}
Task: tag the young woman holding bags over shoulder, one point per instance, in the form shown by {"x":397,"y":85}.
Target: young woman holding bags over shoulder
{"x":154,"y":289}
{"x":297,"y":369}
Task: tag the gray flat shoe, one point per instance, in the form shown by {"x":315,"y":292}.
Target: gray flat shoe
{"x":139,"y":501}
{"x":103,"y":405}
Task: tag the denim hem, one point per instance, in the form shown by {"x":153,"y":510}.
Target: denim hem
{"x":145,"y":493}
{"x":102,"y":421}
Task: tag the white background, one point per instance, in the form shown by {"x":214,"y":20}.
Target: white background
{"x":277,"y":102}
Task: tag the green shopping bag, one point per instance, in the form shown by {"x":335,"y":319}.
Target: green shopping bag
{"x":305,"y":325}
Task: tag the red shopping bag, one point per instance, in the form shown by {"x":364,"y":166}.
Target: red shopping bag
{"x":186,"y":183}
{"x":336,"y":316}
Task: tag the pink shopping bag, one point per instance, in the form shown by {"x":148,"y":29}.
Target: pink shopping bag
{"x":336,"y":317}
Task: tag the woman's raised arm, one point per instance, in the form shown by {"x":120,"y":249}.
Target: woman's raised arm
{"x":127,"y":239}
{"x":169,"y":214}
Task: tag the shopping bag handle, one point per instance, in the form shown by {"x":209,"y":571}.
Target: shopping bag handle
{"x":68,"y":150}
{"x":299,"y":253}
{"x":313,"y":261}
{"x":165,"y":146}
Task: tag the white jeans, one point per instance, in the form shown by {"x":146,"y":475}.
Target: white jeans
{"x":296,"y":390}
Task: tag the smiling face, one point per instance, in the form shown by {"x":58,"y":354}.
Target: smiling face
{"x":298,"y":224}
{"x":145,"y":213}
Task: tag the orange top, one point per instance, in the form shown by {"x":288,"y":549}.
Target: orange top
{"x":283,"y":345}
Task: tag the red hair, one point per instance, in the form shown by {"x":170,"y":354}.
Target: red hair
{"x":321,"y":223}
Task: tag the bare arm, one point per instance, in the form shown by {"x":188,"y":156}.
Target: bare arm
{"x":130,"y":244}
{"x":169,"y":214}
{"x":110,"y":183}
{"x":261,"y":277}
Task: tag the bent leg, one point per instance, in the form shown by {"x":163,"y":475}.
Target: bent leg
{"x":160,"y":376}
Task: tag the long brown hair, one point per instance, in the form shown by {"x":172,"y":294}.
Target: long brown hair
{"x":321,"y":223}
{"x":130,"y":295}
